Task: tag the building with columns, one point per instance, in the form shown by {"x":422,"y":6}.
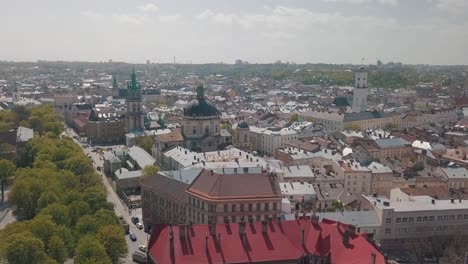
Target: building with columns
{"x":360,"y":91}
{"x":135,"y":113}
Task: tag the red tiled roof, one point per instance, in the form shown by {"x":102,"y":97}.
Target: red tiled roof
{"x":281,"y":242}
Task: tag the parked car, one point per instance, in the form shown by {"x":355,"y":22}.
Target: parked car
{"x":143,"y":248}
{"x":148,"y":229}
{"x":402,"y":259}
{"x":139,"y":225}
{"x":430,"y":259}
{"x":135,"y":219}
{"x":139,"y":257}
{"x":133,"y":237}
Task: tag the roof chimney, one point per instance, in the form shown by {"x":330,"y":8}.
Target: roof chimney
{"x":302,"y":236}
{"x":212,"y":227}
{"x":206,"y":242}
{"x":433,"y":201}
{"x":182,"y":232}
{"x":171,"y":242}
{"x":452,"y":200}
{"x":264,"y":226}
{"x":241,"y":227}
{"x":373,"y":258}
{"x":351,"y":229}
{"x":315,"y":219}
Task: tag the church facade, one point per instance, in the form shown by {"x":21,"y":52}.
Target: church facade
{"x":201,"y":124}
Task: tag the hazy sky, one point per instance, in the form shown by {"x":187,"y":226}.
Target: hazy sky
{"x":329,"y":31}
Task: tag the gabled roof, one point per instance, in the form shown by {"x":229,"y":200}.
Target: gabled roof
{"x":281,"y":242}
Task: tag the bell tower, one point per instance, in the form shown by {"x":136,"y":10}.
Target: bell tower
{"x":360,"y":91}
{"x":135,"y":115}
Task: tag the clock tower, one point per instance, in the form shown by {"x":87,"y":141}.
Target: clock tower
{"x":135,"y":115}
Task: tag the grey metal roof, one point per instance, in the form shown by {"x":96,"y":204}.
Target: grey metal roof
{"x":24,"y":134}
{"x":456,"y":172}
{"x":350,"y":117}
{"x":298,"y":171}
{"x":391,"y":142}
{"x":140,"y":156}
{"x":358,"y":218}
{"x":185,"y":176}
{"x":125,"y":174}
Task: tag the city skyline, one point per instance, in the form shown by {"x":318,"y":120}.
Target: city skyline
{"x":321,"y":31}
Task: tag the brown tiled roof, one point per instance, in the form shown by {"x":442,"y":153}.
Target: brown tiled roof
{"x":234,"y":186}
{"x":169,"y":137}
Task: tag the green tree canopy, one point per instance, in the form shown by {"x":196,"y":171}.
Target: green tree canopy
{"x":61,"y":197}
{"x":294,"y":118}
{"x":25,"y":248}
{"x":56,"y":249}
{"x":112,"y":238}
{"x":145,"y":142}
{"x":90,"y":250}
{"x":149,"y":170}
{"x":59,"y":213}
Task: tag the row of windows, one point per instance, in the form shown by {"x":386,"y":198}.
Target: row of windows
{"x":234,"y":207}
{"x":249,"y":207}
{"x":250,"y":218}
{"x":420,"y":219}
{"x":428,"y":229}
{"x":207,"y":130}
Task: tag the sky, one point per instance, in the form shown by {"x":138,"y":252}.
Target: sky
{"x":258,"y":31}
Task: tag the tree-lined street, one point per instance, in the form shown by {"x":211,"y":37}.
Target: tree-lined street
{"x":119,"y":207}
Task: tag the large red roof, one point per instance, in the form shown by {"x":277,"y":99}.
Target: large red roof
{"x":281,"y":242}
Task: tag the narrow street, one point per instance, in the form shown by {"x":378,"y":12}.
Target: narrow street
{"x":119,"y":207}
{"x":6,"y":214}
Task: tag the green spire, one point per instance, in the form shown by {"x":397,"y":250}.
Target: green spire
{"x":114,"y":84}
{"x":134,"y":83}
{"x":161,"y":121}
{"x":200,"y":92}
